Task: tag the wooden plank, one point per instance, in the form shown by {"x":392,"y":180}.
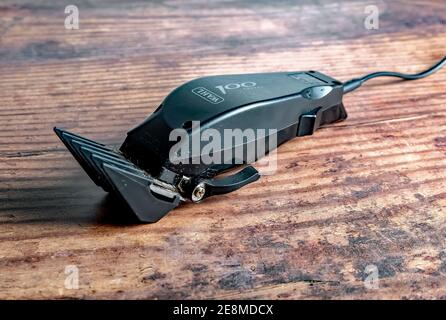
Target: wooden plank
{"x":368,"y":191}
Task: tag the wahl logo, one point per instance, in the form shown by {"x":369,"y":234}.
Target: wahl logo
{"x":208,"y":95}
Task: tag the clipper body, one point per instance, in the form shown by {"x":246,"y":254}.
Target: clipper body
{"x":143,"y":173}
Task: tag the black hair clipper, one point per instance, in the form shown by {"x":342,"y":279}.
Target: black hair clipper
{"x":145,"y":175}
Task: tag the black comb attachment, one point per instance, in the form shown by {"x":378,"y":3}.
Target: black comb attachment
{"x":148,"y":198}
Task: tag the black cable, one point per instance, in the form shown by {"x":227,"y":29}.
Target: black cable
{"x":356,"y":83}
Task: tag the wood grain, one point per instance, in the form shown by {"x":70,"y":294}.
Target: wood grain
{"x":368,"y":191}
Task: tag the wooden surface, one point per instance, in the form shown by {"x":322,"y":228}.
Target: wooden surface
{"x":367,"y":191}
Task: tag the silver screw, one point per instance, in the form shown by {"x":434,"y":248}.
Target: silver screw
{"x":198,"y":192}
